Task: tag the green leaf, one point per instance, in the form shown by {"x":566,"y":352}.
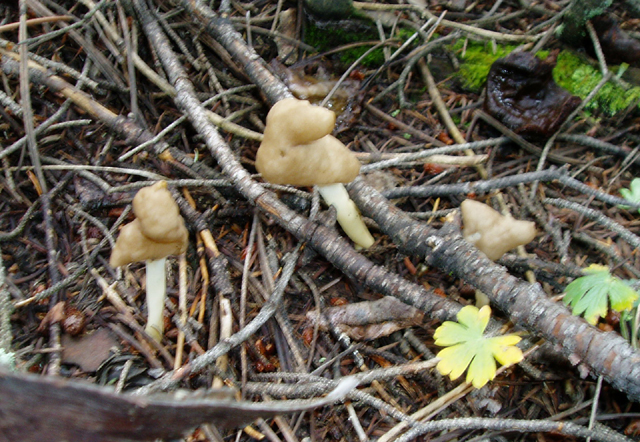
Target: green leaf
{"x":591,"y":294}
{"x":632,"y":193}
{"x":468,"y":347}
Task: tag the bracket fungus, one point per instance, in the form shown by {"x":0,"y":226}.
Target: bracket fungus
{"x":157,"y":232}
{"x":298,"y":150}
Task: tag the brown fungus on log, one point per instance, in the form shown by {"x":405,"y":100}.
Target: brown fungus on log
{"x":522,"y":94}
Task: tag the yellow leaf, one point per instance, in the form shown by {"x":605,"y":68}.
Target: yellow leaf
{"x":468,"y":347}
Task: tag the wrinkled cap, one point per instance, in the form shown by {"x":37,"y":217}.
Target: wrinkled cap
{"x":157,"y":232}
{"x":297,"y":147}
{"x":522,"y":94}
{"x":492,"y":233}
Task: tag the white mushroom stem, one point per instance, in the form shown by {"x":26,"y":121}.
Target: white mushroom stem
{"x":156,"y":291}
{"x":347,"y":214}
{"x":226,"y":330}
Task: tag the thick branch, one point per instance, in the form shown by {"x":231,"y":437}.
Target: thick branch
{"x":606,"y":354}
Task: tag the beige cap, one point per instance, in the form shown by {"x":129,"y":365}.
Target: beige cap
{"x":492,"y":233}
{"x":157,"y":232}
{"x":298,"y":149}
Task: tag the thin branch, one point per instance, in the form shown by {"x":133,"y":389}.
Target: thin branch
{"x":594,"y":215}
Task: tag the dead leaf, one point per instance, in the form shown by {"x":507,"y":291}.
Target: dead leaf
{"x":88,"y":351}
{"x":53,"y":316}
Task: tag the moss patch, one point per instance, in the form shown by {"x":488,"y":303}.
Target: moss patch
{"x":477,"y":59}
{"x":572,"y":73}
{"x":325,"y":39}
{"x":580,"y":78}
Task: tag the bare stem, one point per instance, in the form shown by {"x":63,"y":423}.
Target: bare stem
{"x":156,"y":291}
{"x":347,"y":213}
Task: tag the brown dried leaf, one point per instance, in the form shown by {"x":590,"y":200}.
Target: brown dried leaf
{"x":89,"y":351}
{"x":53,"y":316}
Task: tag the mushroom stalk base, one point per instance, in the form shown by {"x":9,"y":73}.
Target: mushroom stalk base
{"x":482,"y":299}
{"x":347,"y":214}
{"x":156,"y":291}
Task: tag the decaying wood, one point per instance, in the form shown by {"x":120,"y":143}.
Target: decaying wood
{"x":36,"y":408}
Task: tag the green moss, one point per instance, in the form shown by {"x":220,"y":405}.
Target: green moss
{"x":573,"y":74}
{"x":330,"y":9}
{"x":477,"y":59}
{"x":580,"y":78}
{"x":405,"y":33}
{"x":324,"y":39}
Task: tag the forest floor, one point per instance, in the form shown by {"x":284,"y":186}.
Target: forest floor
{"x":109,"y":104}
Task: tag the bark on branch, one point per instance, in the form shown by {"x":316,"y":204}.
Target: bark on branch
{"x":601,"y":353}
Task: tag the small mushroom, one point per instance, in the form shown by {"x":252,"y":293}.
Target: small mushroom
{"x":157,"y":232}
{"x":492,"y":233}
{"x":298,"y":150}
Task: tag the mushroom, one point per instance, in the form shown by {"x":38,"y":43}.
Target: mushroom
{"x":157,"y":232}
{"x":298,"y":150}
{"x":492,"y":233}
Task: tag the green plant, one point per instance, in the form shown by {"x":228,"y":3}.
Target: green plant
{"x":591,"y":294}
{"x":468,"y":347}
{"x":630,"y":324}
{"x":633,"y":192}
{"x":630,"y":319}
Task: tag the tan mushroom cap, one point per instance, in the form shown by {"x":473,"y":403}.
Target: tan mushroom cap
{"x":157,"y":232}
{"x":298,"y":149}
{"x":492,"y":233}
